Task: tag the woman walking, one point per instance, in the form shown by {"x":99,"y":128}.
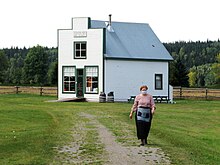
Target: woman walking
{"x":144,"y":108}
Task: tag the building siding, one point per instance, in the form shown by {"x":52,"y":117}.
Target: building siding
{"x":125,"y":77}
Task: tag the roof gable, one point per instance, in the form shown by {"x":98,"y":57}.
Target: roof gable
{"x":133,"y":41}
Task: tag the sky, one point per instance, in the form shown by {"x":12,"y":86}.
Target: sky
{"x":35,"y":22}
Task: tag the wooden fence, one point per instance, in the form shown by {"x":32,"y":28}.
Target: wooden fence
{"x":178,"y":92}
{"x":31,"y":90}
{"x":200,"y":93}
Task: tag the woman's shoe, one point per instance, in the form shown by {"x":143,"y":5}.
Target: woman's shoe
{"x":142,"y":142}
{"x":145,"y":140}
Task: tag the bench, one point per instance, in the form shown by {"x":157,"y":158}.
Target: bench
{"x":160,"y":99}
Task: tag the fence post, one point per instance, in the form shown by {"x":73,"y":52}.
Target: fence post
{"x":206,"y":93}
{"x":181,"y":92}
{"x":41,"y":91}
{"x":16,"y":91}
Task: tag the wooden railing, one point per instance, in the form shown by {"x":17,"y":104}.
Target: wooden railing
{"x":200,"y":93}
{"x":178,"y":92}
{"x":31,"y":90}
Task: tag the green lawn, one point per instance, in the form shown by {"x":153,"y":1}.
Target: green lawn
{"x":188,"y":131}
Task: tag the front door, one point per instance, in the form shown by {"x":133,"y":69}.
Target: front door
{"x":79,"y":86}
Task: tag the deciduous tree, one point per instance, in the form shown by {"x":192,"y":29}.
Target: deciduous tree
{"x":36,"y":66}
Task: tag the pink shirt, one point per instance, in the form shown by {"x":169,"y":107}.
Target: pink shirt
{"x":145,"y":101}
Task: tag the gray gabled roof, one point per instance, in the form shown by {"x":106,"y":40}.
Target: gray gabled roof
{"x":132,"y":41}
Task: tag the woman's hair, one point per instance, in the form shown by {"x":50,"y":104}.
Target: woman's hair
{"x":143,"y":86}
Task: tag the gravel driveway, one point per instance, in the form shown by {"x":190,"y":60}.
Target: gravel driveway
{"x":114,"y":152}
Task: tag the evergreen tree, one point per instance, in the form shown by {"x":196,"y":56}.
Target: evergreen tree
{"x":3,"y":66}
{"x":173,"y":80}
{"x":181,"y":74}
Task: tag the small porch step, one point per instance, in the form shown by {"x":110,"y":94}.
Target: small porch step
{"x":75,"y":99}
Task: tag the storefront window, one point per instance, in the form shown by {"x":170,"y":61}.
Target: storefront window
{"x":69,"y":79}
{"x":91,"y":79}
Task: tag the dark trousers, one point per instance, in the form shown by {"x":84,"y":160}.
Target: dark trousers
{"x":143,"y":128}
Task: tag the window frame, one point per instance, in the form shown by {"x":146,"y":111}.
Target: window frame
{"x":97,"y":81}
{"x":161,"y":81}
{"x":80,"y":50}
{"x":68,"y":92}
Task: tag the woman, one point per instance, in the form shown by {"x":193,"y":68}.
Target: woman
{"x":144,"y":107}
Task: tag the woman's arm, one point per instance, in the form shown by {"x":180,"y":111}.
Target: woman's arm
{"x":134,"y":107}
{"x":153,"y":107}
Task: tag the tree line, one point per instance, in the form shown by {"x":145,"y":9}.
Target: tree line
{"x":195,"y":64}
{"x":33,"y":66}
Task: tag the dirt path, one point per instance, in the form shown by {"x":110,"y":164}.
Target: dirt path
{"x":115,"y":153}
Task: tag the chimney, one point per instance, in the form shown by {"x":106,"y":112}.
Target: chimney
{"x":109,"y":24}
{"x":110,"y":20}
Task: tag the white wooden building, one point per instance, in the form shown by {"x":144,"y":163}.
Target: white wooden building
{"x":99,"y":56}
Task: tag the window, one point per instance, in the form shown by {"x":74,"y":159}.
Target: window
{"x":91,"y":79}
{"x":69,"y":79}
{"x":79,"y":50}
{"x":158,"y":81}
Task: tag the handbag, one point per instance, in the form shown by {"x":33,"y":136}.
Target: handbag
{"x":144,"y":114}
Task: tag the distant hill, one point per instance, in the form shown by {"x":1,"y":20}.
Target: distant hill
{"x":194,"y":53}
{"x":196,"y":64}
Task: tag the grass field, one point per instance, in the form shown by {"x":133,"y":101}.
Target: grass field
{"x":188,"y":131}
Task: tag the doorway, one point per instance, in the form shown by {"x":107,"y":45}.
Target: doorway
{"x":80,"y":84}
